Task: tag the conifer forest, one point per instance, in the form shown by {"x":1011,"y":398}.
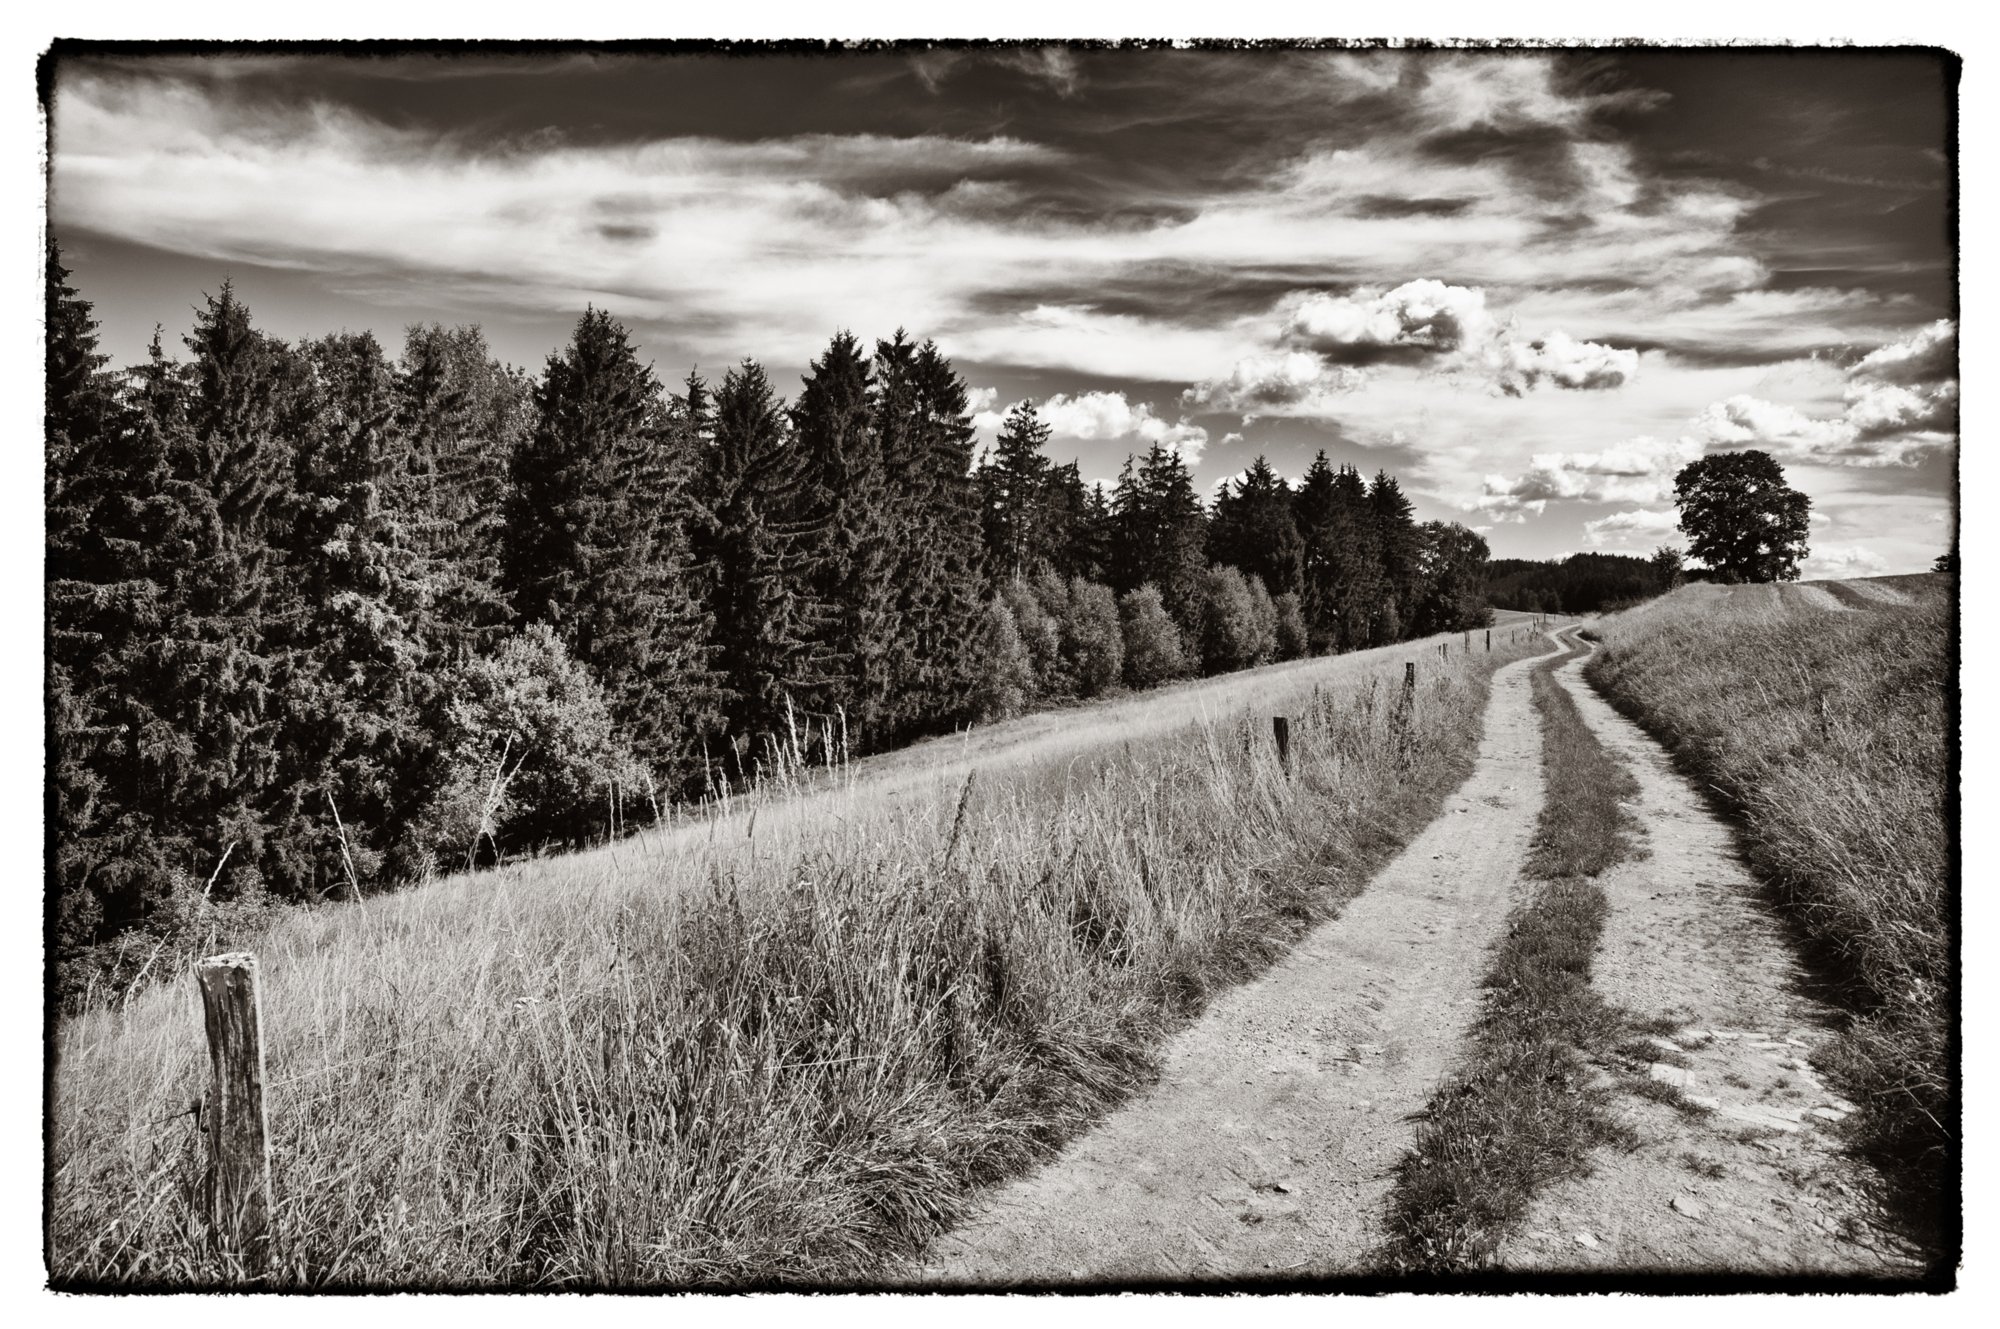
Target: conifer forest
{"x":326,"y":618}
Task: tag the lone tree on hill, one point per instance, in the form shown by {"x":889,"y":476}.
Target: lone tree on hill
{"x":1741,"y":518}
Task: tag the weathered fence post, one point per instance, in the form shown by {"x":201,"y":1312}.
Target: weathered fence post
{"x":1489,"y":641}
{"x":1281,"y":730}
{"x":239,"y":1150}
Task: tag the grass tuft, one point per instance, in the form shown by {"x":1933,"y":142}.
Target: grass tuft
{"x":1524,"y":1111}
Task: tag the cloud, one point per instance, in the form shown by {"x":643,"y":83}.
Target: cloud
{"x":1929,"y":355}
{"x":1097,"y":417}
{"x":1417,"y":319}
{"x":1899,"y":403}
{"x":1837,"y":561}
{"x":1639,"y":528}
{"x":1639,"y":471}
{"x":1284,"y":383}
{"x":1327,"y":343}
{"x":1108,"y":415}
{"x":1564,"y":362}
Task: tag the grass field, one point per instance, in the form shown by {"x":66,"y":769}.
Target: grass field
{"x":1823,"y":714}
{"x":777,"y":1042}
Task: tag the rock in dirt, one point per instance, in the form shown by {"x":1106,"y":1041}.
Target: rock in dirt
{"x":1687,"y":1207}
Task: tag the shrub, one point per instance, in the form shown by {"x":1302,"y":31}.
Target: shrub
{"x":1154,"y":652}
{"x":1092,"y":642}
{"x":1041,"y":633}
{"x":1235,"y":626}
{"x":530,"y":750}
{"x":1007,"y":673}
{"x":1291,"y":626}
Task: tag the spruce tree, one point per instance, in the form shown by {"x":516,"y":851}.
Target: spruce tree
{"x":1158,"y":529}
{"x":847,"y":564}
{"x":465,"y":416}
{"x":1254,"y":529}
{"x":748,"y":485}
{"x":1014,"y":485}
{"x":935,"y":508}
{"x":1398,"y":554}
{"x":596,"y":545}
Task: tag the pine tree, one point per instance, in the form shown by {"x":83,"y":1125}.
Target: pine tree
{"x":596,"y":542}
{"x":748,"y":484}
{"x":1014,"y":486}
{"x":848,"y":566}
{"x":1397,"y":551}
{"x":1255,"y":530}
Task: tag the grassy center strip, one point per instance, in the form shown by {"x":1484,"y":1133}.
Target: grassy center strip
{"x":1524,"y":1112}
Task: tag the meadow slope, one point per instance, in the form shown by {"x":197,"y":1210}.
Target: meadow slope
{"x":1823,"y":714}
{"x":777,"y":1042}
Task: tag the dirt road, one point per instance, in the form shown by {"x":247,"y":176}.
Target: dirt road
{"x":1751,"y":1180}
{"x":1266,"y":1146}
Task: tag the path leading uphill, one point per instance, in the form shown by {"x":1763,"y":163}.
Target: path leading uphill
{"x":1266,"y":1147}
{"x":1752,"y":1180}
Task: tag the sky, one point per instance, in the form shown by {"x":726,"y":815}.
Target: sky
{"x":1530,"y":284}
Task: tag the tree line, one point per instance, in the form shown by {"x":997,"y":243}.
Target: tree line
{"x":1585,"y":583}
{"x":320,"y":620}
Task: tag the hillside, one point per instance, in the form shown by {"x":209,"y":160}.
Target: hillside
{"x":1823,"y":714}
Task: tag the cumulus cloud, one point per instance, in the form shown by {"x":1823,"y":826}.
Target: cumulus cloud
{"x":1097,"y":417}
{"x":1108,"y":415}
{"x":1929,"y":355}
{"x":1564,"y":362}
{"x":1639,"y":471}
{"x":1640,"y":528}
{"x":1283,"y":383}
{"x":1415,"y":320}
{"x":1900,"y":401}
{"x":1836,"y":561}
{"x":1327,"y":343}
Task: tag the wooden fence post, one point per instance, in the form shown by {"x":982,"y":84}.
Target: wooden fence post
{"x":1489,"y":641}
{"x":239,"y":1149}
{"x":1281,"y":730}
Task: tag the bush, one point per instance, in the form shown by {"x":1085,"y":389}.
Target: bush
{"x":1154,"y":653}
{"x":1007,"y":673}
{"x":1092,"y":640}
{"x":1236,"y":625}
{"x":531,"y":751}
{"x":1041,"y":633}
{"x":1291,"y":629}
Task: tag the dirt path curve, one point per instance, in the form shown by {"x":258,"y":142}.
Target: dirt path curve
{"x":1749,"y":1177}
{"x":1265,"y":1148}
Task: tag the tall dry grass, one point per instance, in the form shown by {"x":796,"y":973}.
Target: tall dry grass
{"x":776,"y":1045}
{"x":1826,"y":721}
